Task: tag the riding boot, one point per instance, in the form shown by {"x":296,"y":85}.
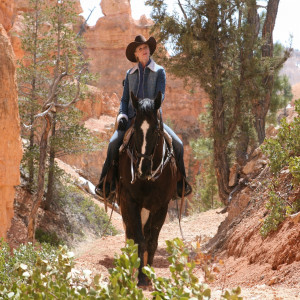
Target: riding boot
{"x":112,"y":157}
{"x":110,"y":187}
{"x":99,"y":189}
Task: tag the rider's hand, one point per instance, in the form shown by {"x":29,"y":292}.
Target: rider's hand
{"x":122,"y":124}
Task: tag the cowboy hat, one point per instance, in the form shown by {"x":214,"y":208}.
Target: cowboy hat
{"x":139,"y":40}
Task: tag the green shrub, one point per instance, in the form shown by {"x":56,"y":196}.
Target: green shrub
{"x":294,"y":166}
{"x":284,"y":150}
{"x":205,"y":195}
{"x":183,"y":284}
{"x":123,"y":277}
{"x":46,"y":273}
{"x":277,"y":213}
{"x":25,"y":254}
{"x":48,"y":237}
{"x":82,"y":212}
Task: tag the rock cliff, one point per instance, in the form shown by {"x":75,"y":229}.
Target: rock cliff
{"x":10,"y":147}
{"x":6,"y":13}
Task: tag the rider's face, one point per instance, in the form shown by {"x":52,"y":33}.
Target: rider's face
{"x":142,"y":53}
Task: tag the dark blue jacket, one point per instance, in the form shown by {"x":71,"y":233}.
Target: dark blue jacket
{"x":154,"y":81}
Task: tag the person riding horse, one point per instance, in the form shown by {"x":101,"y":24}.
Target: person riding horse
{"x":146,"y":79}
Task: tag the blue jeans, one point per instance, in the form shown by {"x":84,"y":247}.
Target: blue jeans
{"x":117,"y":139}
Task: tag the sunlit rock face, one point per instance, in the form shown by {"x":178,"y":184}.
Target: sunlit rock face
{"x":6,"y":13}
{"x":10,"y":146}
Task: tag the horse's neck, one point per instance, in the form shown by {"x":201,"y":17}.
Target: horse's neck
{"x":159,"y":149}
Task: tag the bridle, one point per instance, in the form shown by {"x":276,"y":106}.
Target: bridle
{"x":135,"y":155}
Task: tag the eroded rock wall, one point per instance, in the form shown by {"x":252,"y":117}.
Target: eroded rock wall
{"x":10,"y":146}
{"x":6,"y":13}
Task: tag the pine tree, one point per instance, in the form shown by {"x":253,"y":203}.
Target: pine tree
{"x":57,"y":79}
{"x":219,"y":45}
{"x":32,"y":74}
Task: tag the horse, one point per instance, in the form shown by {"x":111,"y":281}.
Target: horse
{"x":147,"y":180}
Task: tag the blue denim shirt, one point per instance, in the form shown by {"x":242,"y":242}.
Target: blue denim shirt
{"x":154,"y":81}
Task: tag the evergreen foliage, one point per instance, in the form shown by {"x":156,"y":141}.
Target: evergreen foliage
{"x":218,"y":45}
{"x":282,"y":151}
{"x":52,"y":47}
{"x":282,"y":90}
{"x":52,"y":77}
{"x":205,"y":194}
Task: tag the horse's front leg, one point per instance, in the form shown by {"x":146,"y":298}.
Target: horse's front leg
{"x":132,"y":218}
{"x":152,"y":232}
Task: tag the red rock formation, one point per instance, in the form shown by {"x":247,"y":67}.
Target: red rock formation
{"x":6,"y":13}
{"x":10,"y":147}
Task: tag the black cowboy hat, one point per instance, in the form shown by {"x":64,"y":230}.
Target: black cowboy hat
{"x":139,"y":40}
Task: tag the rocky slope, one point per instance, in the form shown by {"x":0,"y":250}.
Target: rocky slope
{"x":251,"y":258}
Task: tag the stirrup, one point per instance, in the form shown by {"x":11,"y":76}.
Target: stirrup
{"x":187,"y":188}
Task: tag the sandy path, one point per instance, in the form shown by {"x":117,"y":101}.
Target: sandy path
{"x":97,"y":255}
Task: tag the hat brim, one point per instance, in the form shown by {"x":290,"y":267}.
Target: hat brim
{"x":151,"y":42}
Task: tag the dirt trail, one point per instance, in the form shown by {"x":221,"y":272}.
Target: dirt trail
{"x":97,"y":256}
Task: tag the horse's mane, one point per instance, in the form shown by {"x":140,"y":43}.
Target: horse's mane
{"x":146,"y":106}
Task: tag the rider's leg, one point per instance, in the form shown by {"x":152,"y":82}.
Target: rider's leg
{"x":112,"y":155}
{"x":178,"y":151}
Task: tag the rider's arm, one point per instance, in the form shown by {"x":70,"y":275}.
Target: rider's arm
{"x":161,"y":83}
{"x":123,"y":111}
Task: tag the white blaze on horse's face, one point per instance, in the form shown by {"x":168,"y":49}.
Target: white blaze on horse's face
{"x":144,"y":127}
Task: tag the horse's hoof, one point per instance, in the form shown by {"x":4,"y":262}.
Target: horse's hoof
{"x":144,"y":283}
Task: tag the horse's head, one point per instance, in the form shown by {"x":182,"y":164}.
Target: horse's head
{"x":148,"y":127}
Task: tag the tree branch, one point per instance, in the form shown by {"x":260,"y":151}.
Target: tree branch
{"x":182,"y":10}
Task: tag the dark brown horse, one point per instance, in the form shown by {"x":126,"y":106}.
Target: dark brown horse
{"x":147,"y":180}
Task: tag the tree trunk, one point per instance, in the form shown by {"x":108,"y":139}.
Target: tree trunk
{"x":222,"y":171}
{"x":220,"y":147}
{"x":41,"y":179}
{"x":51,"y":179}
{"x":261,"y":107}
{"x":31,"y":157}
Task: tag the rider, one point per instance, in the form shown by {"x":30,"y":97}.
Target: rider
{"x":145,"y":79}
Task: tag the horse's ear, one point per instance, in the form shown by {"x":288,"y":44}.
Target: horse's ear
{"x":157,"y":101}
{"x":135,"y":100}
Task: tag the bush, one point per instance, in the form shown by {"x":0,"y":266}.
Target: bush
{"x":44,"y":272}
{"x":183,"y":284}
{"x":277,"y":214}
{"x":48,"y":237}
{"x":284,"y":150}
{"x":81,"y":212}
{"x":205,"y":194}
{"x":278,"y":209}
